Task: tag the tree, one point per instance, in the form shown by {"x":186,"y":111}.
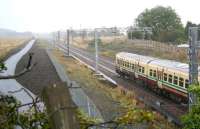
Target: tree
{"x":10,"y":115}
{"x":135,"y":35}
{"x":165,"y":23}
{"x":192,"y":119}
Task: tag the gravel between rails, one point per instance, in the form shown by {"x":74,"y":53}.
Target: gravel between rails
{"x":43,"y":74}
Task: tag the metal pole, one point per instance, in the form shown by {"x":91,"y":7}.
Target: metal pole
{"x":68,"y":42}
{"x":115,"y":33}
{"x":88,"y":106}
{"x":96,"y":51}
{"x":54,"y":39}
{"x":193,"y":63}
{"x":58,"y":40}
{"x":72,"y":36}
{"x":131,"y":33}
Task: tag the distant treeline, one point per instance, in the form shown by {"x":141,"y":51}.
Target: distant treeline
{"x":165,"y":23}
{"x":11,"y":33}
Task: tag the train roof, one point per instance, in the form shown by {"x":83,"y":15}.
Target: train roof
{"x":171,"y":64}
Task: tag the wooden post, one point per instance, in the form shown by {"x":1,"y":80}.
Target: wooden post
{"x":60,"y":108}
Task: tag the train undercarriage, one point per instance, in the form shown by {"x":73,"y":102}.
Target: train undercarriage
{"x":165,"y":91}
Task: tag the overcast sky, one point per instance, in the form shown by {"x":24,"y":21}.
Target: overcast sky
{"x":51,"y":15}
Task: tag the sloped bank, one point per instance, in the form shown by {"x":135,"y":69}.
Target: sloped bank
{"x":78,"y":95}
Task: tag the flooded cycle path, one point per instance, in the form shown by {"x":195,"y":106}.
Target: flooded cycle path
{"x":8,"y":86}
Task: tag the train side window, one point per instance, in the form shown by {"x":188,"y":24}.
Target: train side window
{"x":175,"y":80}
{"x":132,"y":66}
{"x":154,"y":73}
{"x":165,"y":77}
{"x":181,"y":80}
{"x":142,"y":69}
{"x":186,"y":83}
{"x":151,"y":72}
{"x":170,"y":78}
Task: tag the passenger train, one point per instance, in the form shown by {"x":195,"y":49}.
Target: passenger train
{"x":163,"y":76}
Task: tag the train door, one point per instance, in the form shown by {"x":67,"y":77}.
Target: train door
{"x":159,"y":78}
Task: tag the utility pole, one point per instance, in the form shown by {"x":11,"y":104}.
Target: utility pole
{"x":193,"y":63}
{"x":96,"y":50}
{"x":72,"y":35}
{"x":54,"y":39}
{"x":68,"y":31}
{"x":58,"y":38}
{"x":131,"y":33}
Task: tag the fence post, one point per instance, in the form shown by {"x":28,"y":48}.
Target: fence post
{"x":60,"y":108}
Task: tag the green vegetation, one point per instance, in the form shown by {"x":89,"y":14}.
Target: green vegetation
{"x":131,"y":117}
{"x":92,"y":43}
{"x":165,"y":23}
{"x":10,"y":115}
{"x":192,"y":119}
{"x":136,"y":35}
{"x":2,"y":66}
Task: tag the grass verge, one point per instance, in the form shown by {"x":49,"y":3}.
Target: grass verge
{"x":8,"y":44}
{"x":108,"y":100}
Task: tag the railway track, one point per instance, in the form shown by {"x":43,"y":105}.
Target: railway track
{"x":171,"y":110}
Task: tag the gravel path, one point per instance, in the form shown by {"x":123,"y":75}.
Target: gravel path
{"x":43,"y":74}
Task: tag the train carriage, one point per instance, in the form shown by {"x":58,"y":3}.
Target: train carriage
{"x":166,"y":76}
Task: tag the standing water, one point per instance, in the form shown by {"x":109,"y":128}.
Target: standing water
{"x":10,"y":85}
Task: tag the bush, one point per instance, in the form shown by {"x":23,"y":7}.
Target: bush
{"x":92,"y":43}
